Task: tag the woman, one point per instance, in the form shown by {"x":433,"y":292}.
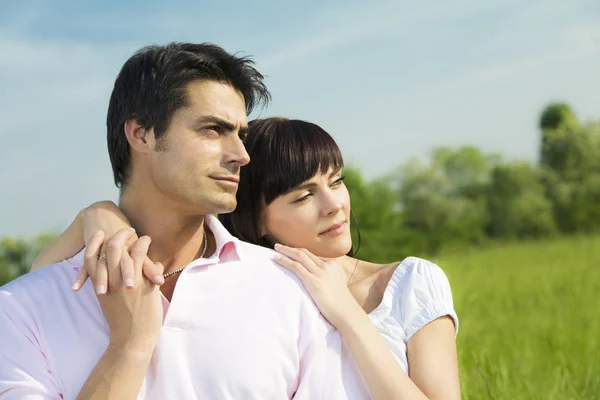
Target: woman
{"x":397,"y":319}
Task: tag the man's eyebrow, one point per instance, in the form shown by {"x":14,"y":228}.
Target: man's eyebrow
{"x":213,"y":119}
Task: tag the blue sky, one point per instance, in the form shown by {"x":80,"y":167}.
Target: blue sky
{"x":389,"y":80}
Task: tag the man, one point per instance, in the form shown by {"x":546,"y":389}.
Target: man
{"x":229,"y":323}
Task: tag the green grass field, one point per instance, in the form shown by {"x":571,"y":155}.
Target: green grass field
{"x":529,"y":319}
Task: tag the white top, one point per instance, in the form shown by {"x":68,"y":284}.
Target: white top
{"x":238,"y":327}
{"x":418,"y":293}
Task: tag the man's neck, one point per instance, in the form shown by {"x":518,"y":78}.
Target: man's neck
{"x":177,"y":236}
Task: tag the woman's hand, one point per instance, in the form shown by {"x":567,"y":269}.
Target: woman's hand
{"x":325,"y":281}
{"x":95,"y":265}
{"x":100,"y":221}
{"x":103,"y":216}
{"x":133,"y":315}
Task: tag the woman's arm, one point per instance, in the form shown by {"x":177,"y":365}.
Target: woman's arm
{"x":102,"y":215}
{"x":432,"y":357}
{"x":432,"y":360}
{"x":69,"y":243}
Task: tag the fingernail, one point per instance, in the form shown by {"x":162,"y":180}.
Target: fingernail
{"x":277,"y":257}
{"x":100,"y":289}
{"x":277,"y":245}
{"x":75,"y":286}
{"x":129,"y":283}
{"x":131,"y":230}
{"x":159,"y":280}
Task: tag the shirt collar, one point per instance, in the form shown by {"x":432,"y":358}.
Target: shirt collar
{"x":222,"y":237}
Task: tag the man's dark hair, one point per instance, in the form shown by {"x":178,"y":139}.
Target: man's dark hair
{"x":151,"y":86}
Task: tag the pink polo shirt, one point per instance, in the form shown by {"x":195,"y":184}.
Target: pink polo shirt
{"x":238,"y":327}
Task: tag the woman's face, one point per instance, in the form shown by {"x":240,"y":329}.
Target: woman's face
{"x":315,"y":215}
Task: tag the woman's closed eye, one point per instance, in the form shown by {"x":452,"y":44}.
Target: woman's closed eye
{"x":303,"y":198}
{"x":338,"y":181}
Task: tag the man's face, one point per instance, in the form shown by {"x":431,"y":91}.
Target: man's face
{"x":197,"y":161}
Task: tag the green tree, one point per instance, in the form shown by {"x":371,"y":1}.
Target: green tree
{"x":17,"y":255}
{"x":445,"y":200}
{"x":557,"y":124}
{"x":375,"y":208}
{"x":570,"y":161}
{"x":518,"y":206}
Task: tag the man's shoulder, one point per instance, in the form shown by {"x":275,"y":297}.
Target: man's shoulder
{"x":262,"y":260}
{"x":275,"y":278}
{"x":42,"y":284}
{"x":255,"y":251}
{"x":44,"y":299}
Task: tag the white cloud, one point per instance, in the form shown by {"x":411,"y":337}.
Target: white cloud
{"x":337,"y":27}
{"x":495,"y":107}
{"x":53,"y":160}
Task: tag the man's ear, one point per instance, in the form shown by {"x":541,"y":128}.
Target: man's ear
{"x":139,"y":138}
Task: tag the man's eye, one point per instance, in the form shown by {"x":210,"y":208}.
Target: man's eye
{"x":215,"y":128}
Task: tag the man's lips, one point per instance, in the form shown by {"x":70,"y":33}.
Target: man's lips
{"x":233,"y":179}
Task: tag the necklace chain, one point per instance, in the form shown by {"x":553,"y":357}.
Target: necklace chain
{"x":176,"y":271}
{"x":205,"y":242}
{"x":352,"y":274}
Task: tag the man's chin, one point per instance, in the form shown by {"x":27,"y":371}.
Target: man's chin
{"x":224,"y":207}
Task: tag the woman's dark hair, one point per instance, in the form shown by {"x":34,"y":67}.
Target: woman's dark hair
{"x":283,"y":154}
{"x":152,"y":86}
